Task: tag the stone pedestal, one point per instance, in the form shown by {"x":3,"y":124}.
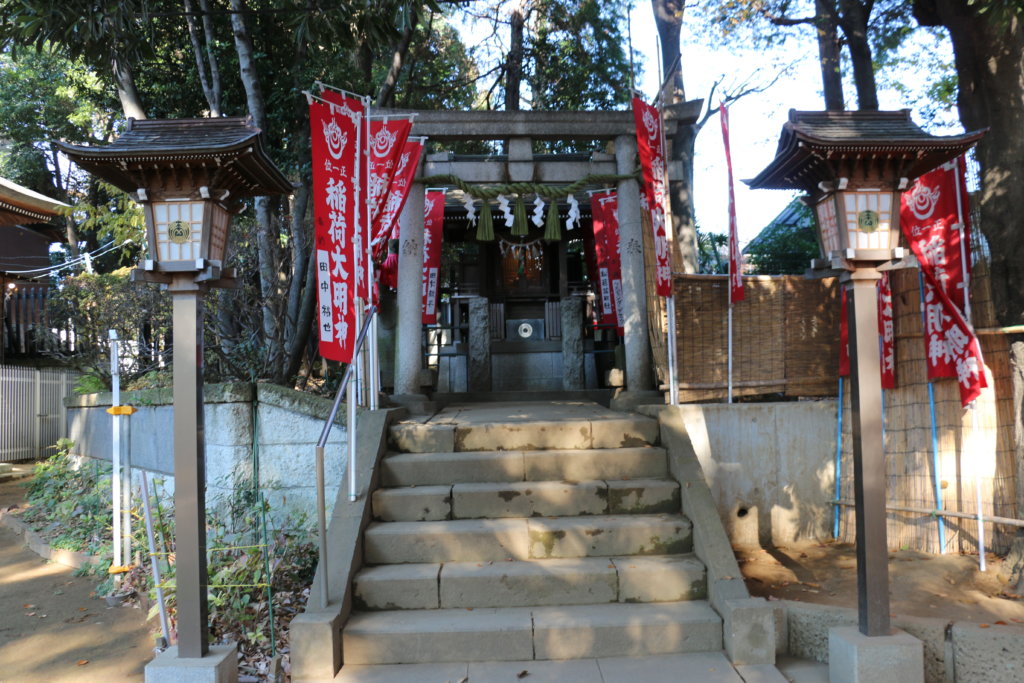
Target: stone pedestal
{"x":856,"y":658}
{"x":573,"y":373}
{"x":220,"y":666}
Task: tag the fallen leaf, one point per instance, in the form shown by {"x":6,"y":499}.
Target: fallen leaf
{"x":611,"y":566}
{"x":983,"y":626}
{"x":83,"y":662}
{"x":464,"y":679}
{"x":30,"y":614}
{"x":1002,"y":623}
{"x":27,"y":606}
{"x":523,"y":674}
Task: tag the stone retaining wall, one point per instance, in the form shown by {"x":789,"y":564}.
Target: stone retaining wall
{"x":770,"y":467}
{"x":244,"y":424}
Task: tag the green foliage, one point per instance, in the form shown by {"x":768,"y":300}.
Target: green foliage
{"x":710,"y":256}
{"x":787,"y":245}
{"x":98,"y":302}
{"x":578,"y":56}
{"x":89,"y":384}
{"x":69,"y":501}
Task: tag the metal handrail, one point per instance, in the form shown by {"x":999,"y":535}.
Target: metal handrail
{"x":345,"y":389}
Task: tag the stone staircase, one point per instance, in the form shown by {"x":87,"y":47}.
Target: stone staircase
{"x":503,"y":540}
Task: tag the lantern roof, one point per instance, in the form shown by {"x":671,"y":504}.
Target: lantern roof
{"x":21,"y":206}
{"x":223,"y":154}
{"x":863,"y":146}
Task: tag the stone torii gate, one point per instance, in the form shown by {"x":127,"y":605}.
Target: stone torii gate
{"x":518,"y":131}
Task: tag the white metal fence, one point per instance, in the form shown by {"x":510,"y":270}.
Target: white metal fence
{"x":32,"y":415}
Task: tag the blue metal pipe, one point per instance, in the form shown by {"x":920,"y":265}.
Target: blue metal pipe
{"x":935,"y":432}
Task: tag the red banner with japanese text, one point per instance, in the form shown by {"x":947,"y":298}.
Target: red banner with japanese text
{"x":387,"y":145}
{"x":652,"y":163}
{"x":335,"y":134}
{"x":736,"y":292}
{"x":604,"y":209}
{"x":398,"y":192}
{"x":930,"y":217}
{"x":932,"y":214}
{"x":886,"y":333}
{"x":950,"y":341}
{"x":433,"y":224}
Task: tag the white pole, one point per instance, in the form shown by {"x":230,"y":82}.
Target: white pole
{"x":126,"y":489}
{"x":977,"y":487}
{"x":673,"y":372}
{"x":153,"y":563}
{"x":371,"y":381}
{"x":115,"y":482}
{"x":729,"y":350}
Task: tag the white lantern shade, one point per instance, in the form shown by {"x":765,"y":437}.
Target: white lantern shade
{"x":828,"y":227}
{"x":178,"y":228}
{"x":867,"y":218}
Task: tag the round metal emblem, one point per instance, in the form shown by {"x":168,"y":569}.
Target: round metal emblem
{"x":179,"y":232}
{"x":525,"y":330}
{"x":867,"y":221}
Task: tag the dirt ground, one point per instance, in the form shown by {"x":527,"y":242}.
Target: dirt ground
{"x":53,"y":628}
{"x":941,"y":586}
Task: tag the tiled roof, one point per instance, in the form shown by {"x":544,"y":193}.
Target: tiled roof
{"x":20,"y":205}
{"x":232,"y":141}
{"x":814,"y":145}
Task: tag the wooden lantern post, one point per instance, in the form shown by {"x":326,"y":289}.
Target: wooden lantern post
{"x":189,"y":175}
{"x":854,"y":166}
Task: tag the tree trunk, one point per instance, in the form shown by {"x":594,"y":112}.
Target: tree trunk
{"x":387,"y":89}
{"x":668,"y":17}
{"x":853,"y":18}
{"x":514,"y":62}
{"x":989,"y":55}
{"x":828,"y":54}
{"x":265,"y":237}
{"x":131,"y":103}
{"x":211,"y":83}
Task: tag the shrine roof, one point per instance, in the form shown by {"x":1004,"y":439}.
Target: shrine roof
{"x":229,"y":143}
{"x":21,"y":206}
{"x":813,"y":143}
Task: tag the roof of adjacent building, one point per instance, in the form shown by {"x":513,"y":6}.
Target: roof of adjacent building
{"x":823,"y":145}
{"x":229,"y":149}
{"x":21,"y":206}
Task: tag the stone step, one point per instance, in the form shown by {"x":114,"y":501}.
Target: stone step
{"x":576,"y":581}
{"x":523,"y":539}
{"x":525,"y":499}
{"x":612,"y":431}
{"x":519,"y":633}
{"x":449,"y":467}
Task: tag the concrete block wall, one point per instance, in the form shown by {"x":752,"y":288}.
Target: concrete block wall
{"x":770,"y":467}
{"x":286,"y":426}
{"x":958,"y":651}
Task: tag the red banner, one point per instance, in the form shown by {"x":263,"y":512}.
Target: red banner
{"x":930,"y":216}
{"x":398,"y":192}
{"x":951,"y":342}
{"x":433,"y":224}
{"x":735,"y":260}
{"x":387,"y":144}
{"x":604,"y":208}
{"x":335,"y":130}
{"x":652,"y":162}
{"x":886,"y":332}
